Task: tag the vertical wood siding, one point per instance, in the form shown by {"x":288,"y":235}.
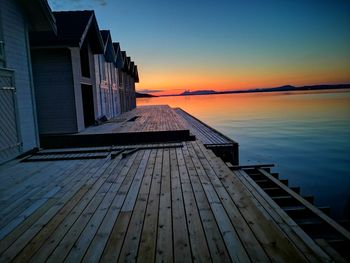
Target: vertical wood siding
{"x":15,"y":28}
{"x":53,"y":81}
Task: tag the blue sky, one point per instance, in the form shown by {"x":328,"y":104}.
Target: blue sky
{"x":244,"y":43}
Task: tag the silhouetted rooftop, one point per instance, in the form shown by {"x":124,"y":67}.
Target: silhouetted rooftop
{"x":72,"y":29}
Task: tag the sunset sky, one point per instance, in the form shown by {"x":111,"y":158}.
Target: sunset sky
{"x":227,"y":44}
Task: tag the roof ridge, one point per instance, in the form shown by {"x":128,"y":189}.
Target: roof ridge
{"x":74,"y":11}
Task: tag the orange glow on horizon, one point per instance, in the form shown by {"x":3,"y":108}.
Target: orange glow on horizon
{"x":166,"y":83}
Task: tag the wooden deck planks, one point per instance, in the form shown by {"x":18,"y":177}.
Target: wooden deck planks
{"x":133,"y":235}
{"x":27,"y":228}
{"x":100,"y":240}
{"x":203,"y":132}
{"x":166,"y":203}
{"x":251,"y":244}
{"x":182,"y":249}
{"x":265,"y":227}
{"x":164,"y":238}
{"x":219,"y":252}
{"x":198,"y":242}
{"x":147,"y":119}
{"x":148,"y":241}
{"x":50,"y":232}
{"x":27,"y":193}
{"x":116,"y":238}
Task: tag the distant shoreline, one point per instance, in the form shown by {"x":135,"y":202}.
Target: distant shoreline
{"x":276,"y":89}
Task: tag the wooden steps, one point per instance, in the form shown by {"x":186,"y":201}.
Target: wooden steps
{"x":314,"y":221}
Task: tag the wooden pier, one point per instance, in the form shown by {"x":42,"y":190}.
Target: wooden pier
{"x":171,"y":202}
{"x":221,"y":145}
{"x":149,"y":124}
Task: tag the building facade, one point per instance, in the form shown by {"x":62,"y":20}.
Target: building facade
{"x":58,"y":74}
{"x":18,"y":118}
{"x":64,"y":73}
{"x":107,"y":80}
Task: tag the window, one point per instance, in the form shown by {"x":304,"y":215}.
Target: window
{"x":84,"y":60}
{"x":120,"y":75}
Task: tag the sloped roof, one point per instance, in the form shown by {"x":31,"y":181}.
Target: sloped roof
{"x":119,"y":60}
{"x":132,"y":69}
{"x":105,"y":34}
{"x":128,"y":64}
{"x":136,"y":74}
{"x":73,"y":28}
{"x":125,"y":67}
{"x":39,"y":14}
{"x":108,"y":48}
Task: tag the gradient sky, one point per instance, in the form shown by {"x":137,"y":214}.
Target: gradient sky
{"x":227,"y":44}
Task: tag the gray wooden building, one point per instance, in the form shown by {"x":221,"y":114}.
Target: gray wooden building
{"x":50,"y":81}
{"x":18,"y":120}
{"x":119,"y":63}
{"x":127,"y":76}
{"x":107,"y":79}
{"x":64,"y":73}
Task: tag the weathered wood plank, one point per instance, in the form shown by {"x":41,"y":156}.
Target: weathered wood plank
{"x":81,"y":245}
{"x":216,"y":244}
{"x":133,"y":235}
{"x":164,"y":238}
{"x":95,"y":250}
{"x":198,"y":242}
{"x":50,"y":236}
{"x":147,"y":247}
{"x":252,"y":245}
{"x":6,"y":242}
{"x":182,"y":250}
{"x":263,"y":225}
{"x":116,"y":238}
{"x":62,"y":207}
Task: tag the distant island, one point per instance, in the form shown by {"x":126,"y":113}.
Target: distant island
{"x":281,"y":88}
{"x":198,"y":92}
{"x":143,"y":95}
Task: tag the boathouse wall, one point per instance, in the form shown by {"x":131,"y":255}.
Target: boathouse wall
{"x":18,"y":113}
{"x":54,"y":90}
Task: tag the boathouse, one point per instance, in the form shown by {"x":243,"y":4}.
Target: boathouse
{"x":64,"y":73}
{"x":107,"y":93}
{"x":124,"y":80}
{"x":18,"y":120}
{"x":128,"y":82}
{"x":119,"y":65}
{"x":132,"y":86}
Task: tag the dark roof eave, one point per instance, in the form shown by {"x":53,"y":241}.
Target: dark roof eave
{"x":108,"y":49}
{"x":136,"y":75}
{"x":49,"y":14}
{"x":40,"y":15}
{"x":93,"y":22}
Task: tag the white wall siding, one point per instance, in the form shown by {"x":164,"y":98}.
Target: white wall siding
{"x":97,"y":89}
{"x":16,"y":49}
{"x":76,"y":69}
{"x":53,"y":81}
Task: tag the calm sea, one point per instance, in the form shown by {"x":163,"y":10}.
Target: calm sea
{"x":305,"y":134}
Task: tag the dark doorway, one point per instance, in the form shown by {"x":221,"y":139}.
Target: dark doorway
{"x":88,"y":105}
{"x":84,"y":60}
